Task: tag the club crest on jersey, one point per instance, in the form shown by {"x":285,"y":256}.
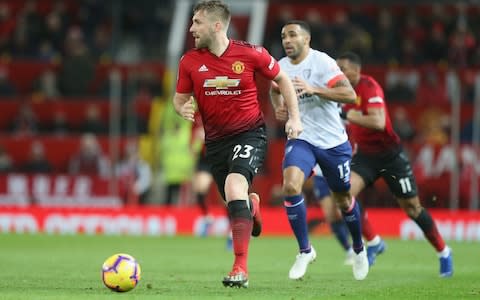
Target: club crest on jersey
{"x":307,"y":73}
{"x":221,"y":82}
{"x":238,"y":67}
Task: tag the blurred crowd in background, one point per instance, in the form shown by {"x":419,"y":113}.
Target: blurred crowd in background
{"x":52,"y":30}
{"x":134,"y":31}
{"x":402,"y":34}
{"x":73,"y":45}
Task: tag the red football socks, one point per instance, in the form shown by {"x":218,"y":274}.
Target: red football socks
{"x":367,"y":229}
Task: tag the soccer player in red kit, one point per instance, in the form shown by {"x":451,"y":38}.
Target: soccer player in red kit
{"x":379,"y":153}
{"x":220,"y":73}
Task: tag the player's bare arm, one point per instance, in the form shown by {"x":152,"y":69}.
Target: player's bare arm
{"x":293,"y":126}
{"x":342,"y":91}
{"x":184,"y":106}
{"x":278,"y":104}
{"x":374,"y":119}
{"x":275,"y":95}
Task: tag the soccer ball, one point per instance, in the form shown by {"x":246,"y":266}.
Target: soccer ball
{"x":121,"y":272}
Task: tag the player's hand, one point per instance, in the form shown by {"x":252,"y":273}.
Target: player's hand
{"x":187,"y":111}
{"x":293,"y":128}
{"x":302,"y":87}
{"x":345,"y":114}
{"x":281,"y":113}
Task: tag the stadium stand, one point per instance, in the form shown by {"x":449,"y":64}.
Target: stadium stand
{"x":371,"y":29}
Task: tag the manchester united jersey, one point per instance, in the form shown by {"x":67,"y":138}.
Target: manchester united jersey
{"x":225,"y":87}
{"x":371,"y":141}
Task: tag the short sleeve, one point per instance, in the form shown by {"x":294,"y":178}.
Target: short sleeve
{"x":266,"y":64}
{"x":184,"y":82}
{"x":331,"y":71}
{"x":373,"y":95}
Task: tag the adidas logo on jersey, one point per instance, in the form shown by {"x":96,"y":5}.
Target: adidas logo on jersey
{"x":203,"y":68}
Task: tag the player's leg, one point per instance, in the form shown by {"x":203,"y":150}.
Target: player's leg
{"x":201,"y":182}
{"x":335,"y":164}
{"x":297,"y":166}
{"x":218,"y":157}
{"x":201,"y":186}
{"x":172,"y":194}
{"x":401,"y":182}
{"x":254,"y":199}
{"x":364,"y":172}
{"x":246,"y":153}
{"x":375,"y":244}
{"x":424,"y":220}
{"x":332,"y":215}
{"x":357,"y":184}
{"x":236,"y":193}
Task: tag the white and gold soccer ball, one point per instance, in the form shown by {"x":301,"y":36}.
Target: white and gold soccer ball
{"x":121,"y":272}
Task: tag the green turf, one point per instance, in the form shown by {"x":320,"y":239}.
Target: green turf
{"x":68,"y":267}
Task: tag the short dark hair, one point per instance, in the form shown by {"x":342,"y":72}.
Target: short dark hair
{"x":215,"y":7}
{"x":304,"y":25}
{"x":352,"y":57}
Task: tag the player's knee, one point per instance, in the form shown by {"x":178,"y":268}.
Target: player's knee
{"x":343,"y":200}
{"x":411,"y":206}
{"x":413,"y":211}
{"x":329,"y":211}
{"x":330,"y":217}
{"x":236,"y":187}
{"x":291,"y":188}
{"x":344,"y":204}
{"x":234,"y":193}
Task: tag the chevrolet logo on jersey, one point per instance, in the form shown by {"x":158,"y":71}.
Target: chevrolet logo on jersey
{"x":221,"y":83}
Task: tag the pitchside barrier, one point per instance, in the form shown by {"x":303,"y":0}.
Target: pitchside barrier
{"x":160,"y":221}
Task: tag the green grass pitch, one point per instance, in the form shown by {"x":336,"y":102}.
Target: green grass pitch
{"x":69,"y":267}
